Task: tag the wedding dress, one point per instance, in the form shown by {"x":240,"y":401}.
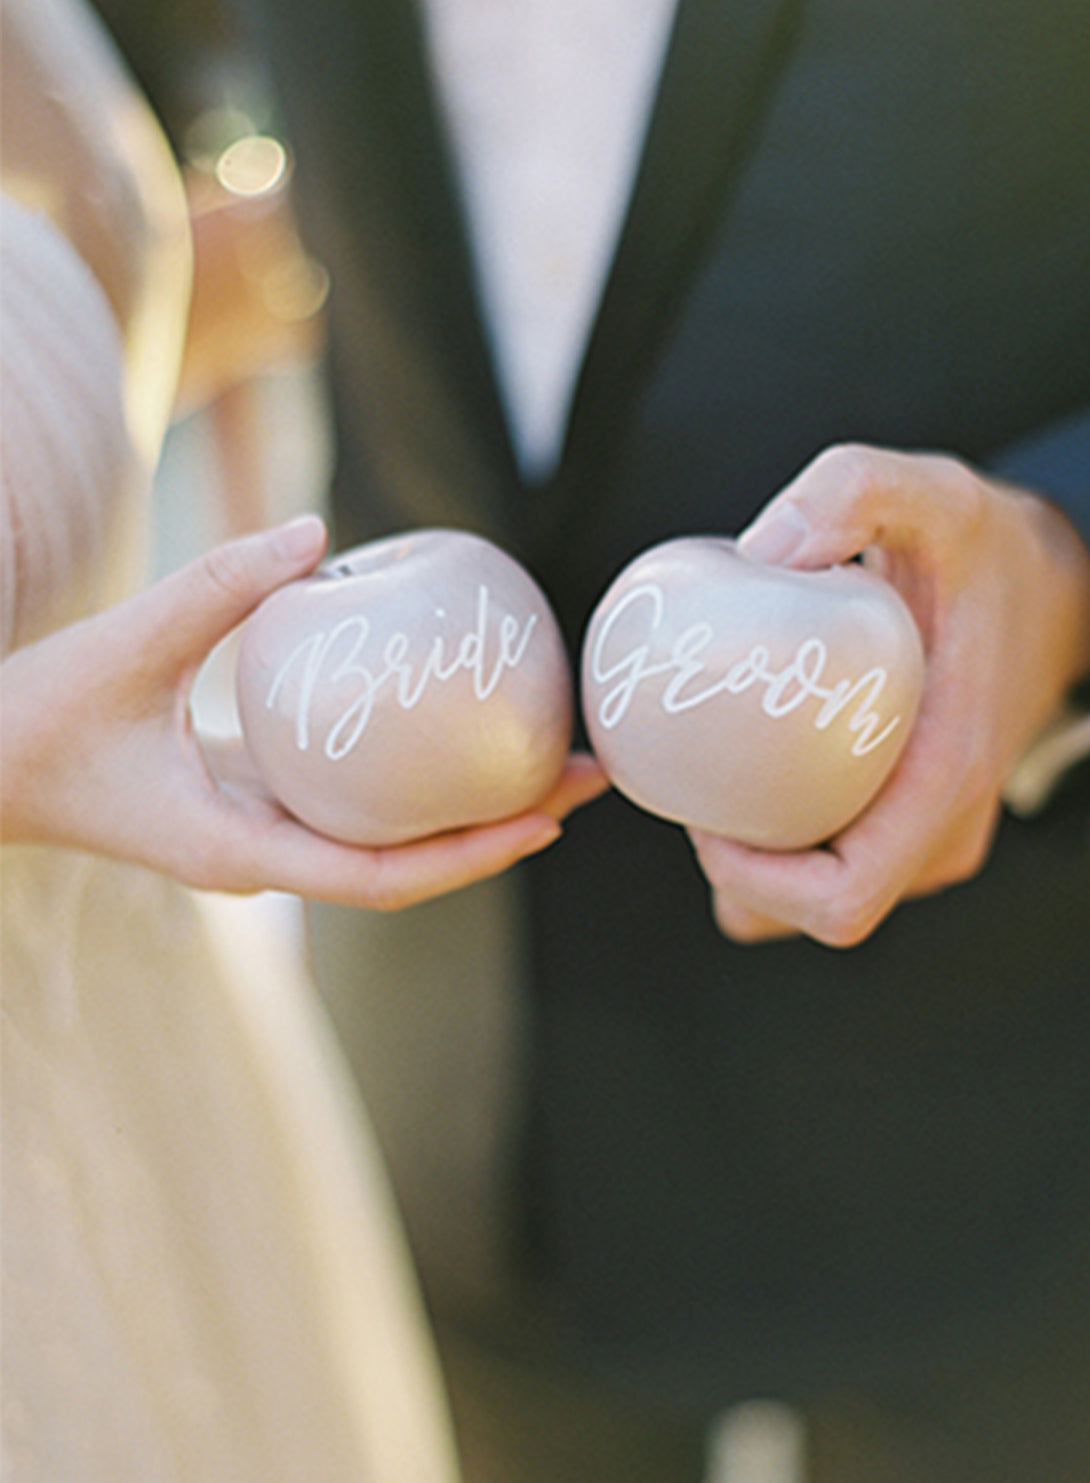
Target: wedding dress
{"x":203,"y":1279}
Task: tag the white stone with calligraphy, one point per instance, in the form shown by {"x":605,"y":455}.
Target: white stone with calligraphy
{"x":413,"y":685}
{"x":760,"y":703}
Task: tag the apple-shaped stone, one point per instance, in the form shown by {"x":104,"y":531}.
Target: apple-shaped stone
{"x":412,"y":685}
{"x":759,"y":703}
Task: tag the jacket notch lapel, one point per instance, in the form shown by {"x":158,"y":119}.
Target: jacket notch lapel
{"x":724,"y":58}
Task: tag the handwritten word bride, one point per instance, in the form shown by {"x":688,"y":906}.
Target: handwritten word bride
{"x":782,"y":690}
{"x":397,"y":672}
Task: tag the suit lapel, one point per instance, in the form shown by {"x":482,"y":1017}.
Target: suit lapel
{"x":724,"y":57}
{"x":412,"y":252}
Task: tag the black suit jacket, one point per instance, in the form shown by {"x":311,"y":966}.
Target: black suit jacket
{"x":748,"y":1169}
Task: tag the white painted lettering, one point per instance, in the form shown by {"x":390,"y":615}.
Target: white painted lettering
{"x":688,"y":683}
{"x":338,"y":654}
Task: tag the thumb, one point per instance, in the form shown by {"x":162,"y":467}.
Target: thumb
{"x":850,"y":497}
{"x":190,"y":611}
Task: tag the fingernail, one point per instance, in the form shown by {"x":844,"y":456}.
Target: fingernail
{"x":300,"y":538}
{"x":548,"y":834}
{"x":775,"y":536}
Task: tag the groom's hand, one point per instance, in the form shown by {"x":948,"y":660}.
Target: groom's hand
{"x":999,"y":583}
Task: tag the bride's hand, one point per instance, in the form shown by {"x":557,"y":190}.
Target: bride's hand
{"x":99,"y":752}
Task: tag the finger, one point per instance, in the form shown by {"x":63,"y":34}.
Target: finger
{"x":581,"y":781}
{"x":186,"y":614}
{"x":852,"y":497}
{"x":279,"y":852}
{"x":839,"y":894}
{"x":434,"y":867}
{"x":808,"y":891}
{"x":231,"y":766}
{"x":961,"y":853}
{"x":746,"y":927}
{"x":290,"y":857}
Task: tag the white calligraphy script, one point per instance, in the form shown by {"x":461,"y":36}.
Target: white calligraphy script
{"x":397,"y":670}
{"x":689,"y":685}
